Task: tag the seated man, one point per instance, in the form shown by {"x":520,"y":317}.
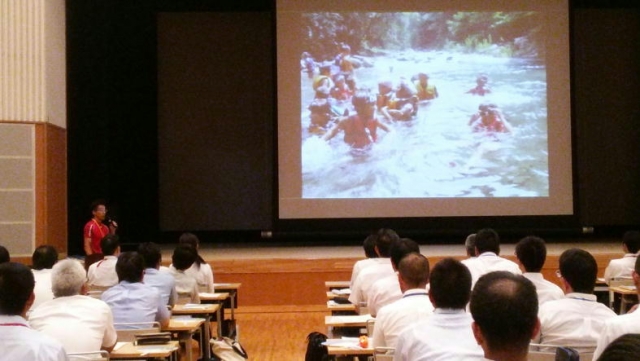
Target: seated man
{"x":154,"y":277}
{"x":382,"y":268}
{"x":577,"y":319}
{"x":132,"y":301}
{"x":624,"y":348}
{"x":103,"y":273}
{"x":531,"y":253}
{"x":504,"y":307}
{"x":615,"y":327}
{"x":80,"y":323}
{"x":470,"y":245}
{"x":187,"y":287}
{"x":622,"y":267}
{"x":387,"y":290}
{"x":43,"y":259}
{"x":445,"y":335}
{"x":488,"y":249}
{"x":17,"y":340}
{"x":369,"y":246}
{"x":413,"y":274}
{"x":4,"y":255}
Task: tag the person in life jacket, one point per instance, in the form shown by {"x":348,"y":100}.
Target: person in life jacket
{"x":424,"y":90}
{"x":481,"y":87}
{"x":489,"y":119}
{"x":341,"y":90}
{"x":360,"y":130}
{"x":347,"y":66}
{"x":323,"y":83}
{"x":401,"y":104}
{"x":322,"y":113}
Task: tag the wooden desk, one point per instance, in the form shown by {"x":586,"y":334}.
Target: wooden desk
{"x":185,"y":327}
{"x":345,"y":322}
{"x":340,"y":307}
{"x":347,"y":347}
{"x":204,"y":310}
{"x":337,"y":284}
{"x":232,"y":290}
{"x":219,"y":299}
{"x":128,"y":351}
{"x":631,"y":296}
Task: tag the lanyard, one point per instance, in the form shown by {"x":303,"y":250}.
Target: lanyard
{"x":14,"y":324}
{"x":416,"y":294}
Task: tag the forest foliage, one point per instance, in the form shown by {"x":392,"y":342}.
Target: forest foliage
{"x":496,"y":33}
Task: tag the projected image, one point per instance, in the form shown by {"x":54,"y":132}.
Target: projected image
{"x":423,"y":105}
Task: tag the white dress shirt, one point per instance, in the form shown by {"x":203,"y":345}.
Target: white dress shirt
{"x":445,"y":335}
{"x":359,"y":266}
{"x":42,"y":290}
{"x":103,"y":273}
{"x":620,"y":268}
{"x":396,"y":317}
{"x":80,"y":323}
{"x":546,"y":290}
{"x":383,"y":292}
{"x":186,"y":285}
{"x":615,"y":327}
{"x":203,"y":275}
{"x":366,"y":278}
{"x":576,"y":320}
{"x":489,"y":262}
{"x":20,"y":342}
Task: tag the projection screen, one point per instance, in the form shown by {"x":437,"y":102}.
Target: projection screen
{"x":431,"y":108}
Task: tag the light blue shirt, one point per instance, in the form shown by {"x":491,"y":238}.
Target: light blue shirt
{"x":163,"y":282}
{"x":135,"y":302}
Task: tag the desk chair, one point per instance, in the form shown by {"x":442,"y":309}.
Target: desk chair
{"x":383,"y":353}
{"x":93,"y":356}
{"x":615,"y":282}
{"x":127,"y":331}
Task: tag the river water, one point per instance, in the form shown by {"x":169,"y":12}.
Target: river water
{"x":436,"y":154}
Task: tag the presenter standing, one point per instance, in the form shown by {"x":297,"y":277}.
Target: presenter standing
{"x":96,"y":229}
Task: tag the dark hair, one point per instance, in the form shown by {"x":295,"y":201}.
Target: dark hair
{"x":487,"y":240}
{"x":97,"y":203}
{"x":623,"y":348}
{"x":631,"y":239}
{"x":130,"y":267}
{"x":44,"y":256}
{"x":531,"y":252}
{"x":4,"y":255}
{"x":414,"y":270}
{"x":384,"y":240}
{"x":109,"y":244}
{"x":579,"y":269}
{"x":192,"y":239}
{"x":505,"y":308}
{"x":16,"y":285}
{"x":400,"y":248}
{"x":369,"y":246}
{"x":184,"y":255}
{"x":450,"y":284}
{"x":151,"y":254}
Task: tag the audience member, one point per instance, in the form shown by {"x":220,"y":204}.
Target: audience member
{"x":42,"y":260}
{"x":504,"y":307}
{"x":622,"y":267}
{"x":445,"y":335}
{"x":413,"y":274}
{"x":577,"y":319}
{"x":103,"y":272}
{"x":17,"y":340}
{"x":183,"y":257}
{"x":160,"y":280}
{"x":617,"y":326}
{"x":470,"y":245}
{"x":488,"y":259}
{"x":387,"y":290}
{"x":131,"y":300}
{"x":4,"y":255}
{"x":380,"y":269}
{"x":624,"y":348}
{"x":200,"y":270}
{"x":531,"y":253}
{"x":369,"y":246}
{"x":80,"y":323}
